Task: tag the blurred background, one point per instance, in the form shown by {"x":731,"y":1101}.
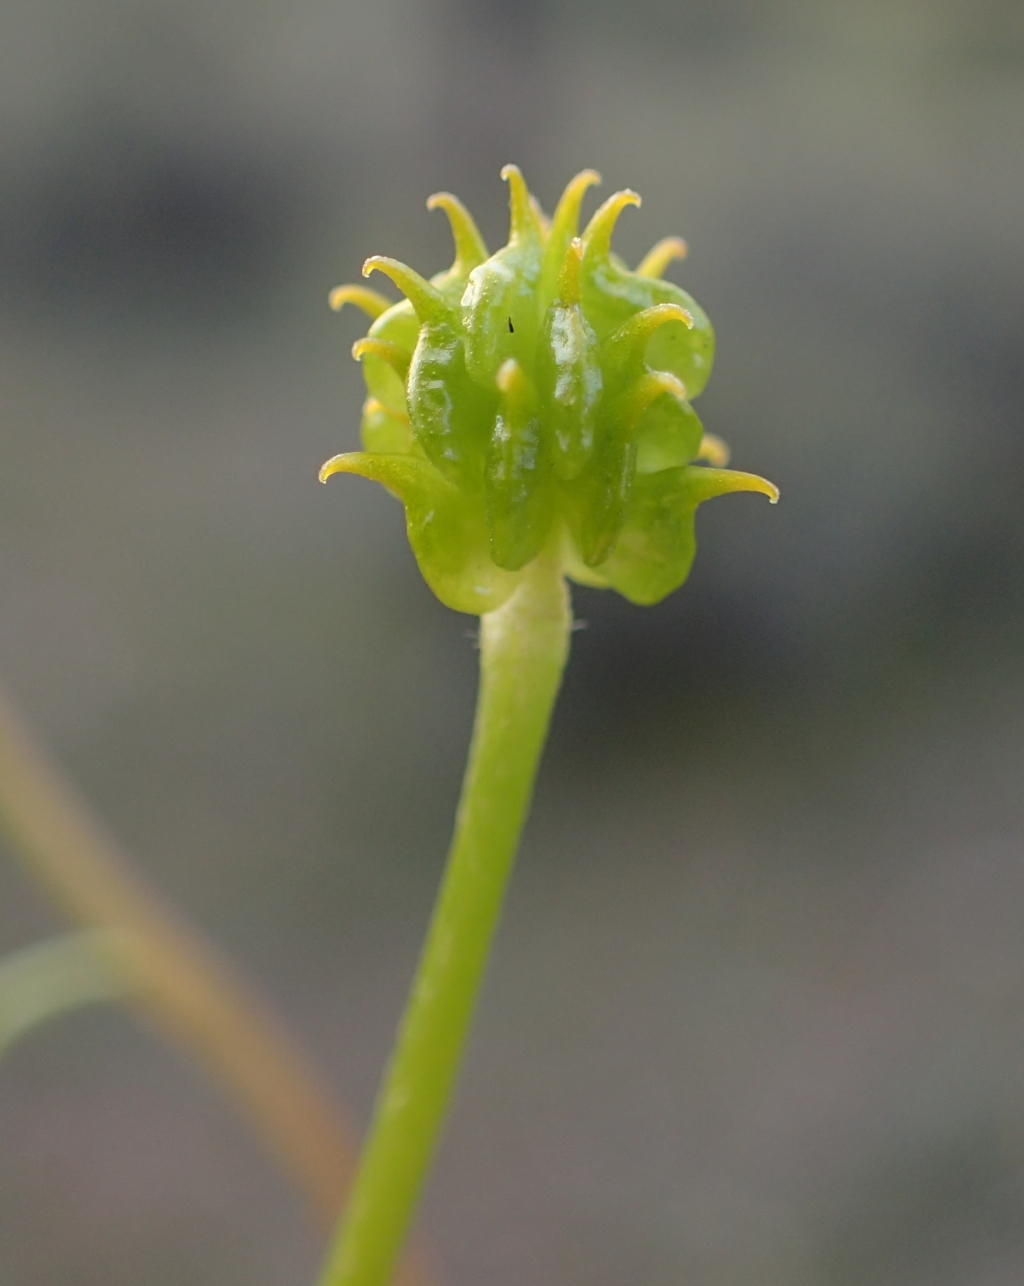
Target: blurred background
{"x":756,"y":1014}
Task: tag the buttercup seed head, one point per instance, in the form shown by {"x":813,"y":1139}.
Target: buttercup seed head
{"x":537,"y":400}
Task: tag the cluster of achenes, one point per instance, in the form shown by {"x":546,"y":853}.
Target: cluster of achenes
{"x":537,"y":402}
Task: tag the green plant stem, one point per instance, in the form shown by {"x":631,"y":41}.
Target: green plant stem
{"x":174,"y":977}
{"x":523,"y":650}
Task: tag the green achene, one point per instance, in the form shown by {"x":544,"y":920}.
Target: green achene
{"x":540,"y":399}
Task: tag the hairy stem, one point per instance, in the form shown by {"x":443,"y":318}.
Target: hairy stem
{"x":524,"y":646}
{"x":174,"y":977}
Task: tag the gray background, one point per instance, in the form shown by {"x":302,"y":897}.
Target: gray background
{"x":756,"y":1013}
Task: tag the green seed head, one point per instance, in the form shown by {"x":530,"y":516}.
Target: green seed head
{"x":537,"y":401}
